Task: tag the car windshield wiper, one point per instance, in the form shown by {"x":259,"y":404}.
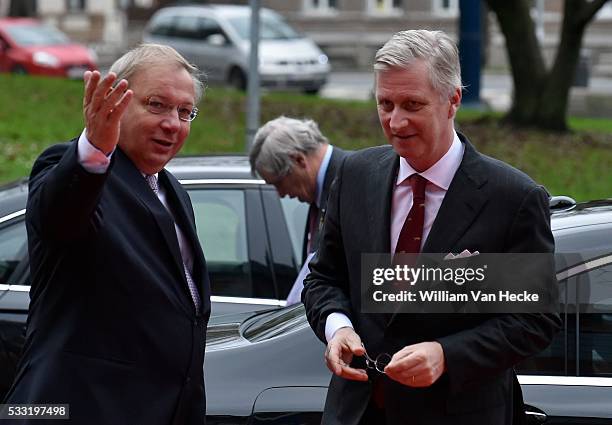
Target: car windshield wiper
{"x":273,"y":323}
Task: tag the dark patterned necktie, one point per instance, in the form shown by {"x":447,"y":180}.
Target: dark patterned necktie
{"x":313,"y":225}
{"x":409,"y":241}
{"x":193,"y":290}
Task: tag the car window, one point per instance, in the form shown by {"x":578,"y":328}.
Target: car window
{"x":595,"y":322}
{"x":187,"y":27}
{"x":590,"y":297}
{"x":13,"y":246}
{"x":295,"y":213}
{"x":221,"y":224}
{"x":210,"y":27}
{"x":271,"y":27}
{"x":163,"y":25}
{"x":36,"y":35}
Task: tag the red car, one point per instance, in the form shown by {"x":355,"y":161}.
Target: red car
{"x":27,"y":46}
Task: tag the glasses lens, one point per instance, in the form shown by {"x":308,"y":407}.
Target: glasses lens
{"x":156,"y":106}
{"x":382,"y":361}
{"x":193,"y":114}
{"x":187,"y":113}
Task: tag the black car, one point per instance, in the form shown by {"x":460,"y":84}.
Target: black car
{"x":268,"y":367}
{"x":252,"y":240}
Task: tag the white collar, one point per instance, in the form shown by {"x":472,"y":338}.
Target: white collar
{"x":442,"y":172}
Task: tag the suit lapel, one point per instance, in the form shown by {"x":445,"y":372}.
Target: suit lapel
{"x":184,"y":218}
{"x":137,"y":184}
{"x":183,"y":215}
{"x":377,"y":232}
{"x":330,"y":174}
{"x":180,"y":210}
{"x":461,"y":205}
{"x":378,"y":204}
{"x":332,"y":168}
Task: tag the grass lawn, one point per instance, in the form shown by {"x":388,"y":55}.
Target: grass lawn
{"x":38,"y":112}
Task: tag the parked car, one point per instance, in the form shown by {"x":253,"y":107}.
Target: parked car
{"x":252,"y":239}
{"x":267,"y":367}
{"x":217,"y":39}
{"x":27,"y":46}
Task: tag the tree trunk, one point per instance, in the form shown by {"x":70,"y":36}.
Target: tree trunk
{"x":524,"y":55}
{"x":540,"y":95}
{"x":552,"y":113}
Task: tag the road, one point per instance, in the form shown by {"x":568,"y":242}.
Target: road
{"x":496,"y":89}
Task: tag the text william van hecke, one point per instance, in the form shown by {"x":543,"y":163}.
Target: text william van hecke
{"x":449,"y":296}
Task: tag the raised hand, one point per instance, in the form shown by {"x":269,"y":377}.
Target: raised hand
{"x":339,"y":353}
{"x":103,"y":107}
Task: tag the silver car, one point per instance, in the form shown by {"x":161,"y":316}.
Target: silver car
{"x":216,"y":39}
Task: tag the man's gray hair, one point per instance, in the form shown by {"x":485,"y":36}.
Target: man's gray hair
{"x":154,"y":54}
{"x":436,"y":48}
{"x":279,"y":140}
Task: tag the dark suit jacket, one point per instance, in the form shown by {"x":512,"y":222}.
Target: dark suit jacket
{"x":112,"y":329}
{"x":335,"y":160}
{"x":490,"y":207}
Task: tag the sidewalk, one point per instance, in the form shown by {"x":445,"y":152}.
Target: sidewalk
{"x":496,"y":92}
{"x":593,"y":101}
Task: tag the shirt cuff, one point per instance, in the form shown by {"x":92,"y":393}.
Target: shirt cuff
{"x":334,"y":322}
{"x":92,"y":159}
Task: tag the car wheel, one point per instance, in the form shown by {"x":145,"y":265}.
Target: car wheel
{"x":18,"y":69}
{"x":237,"y":79}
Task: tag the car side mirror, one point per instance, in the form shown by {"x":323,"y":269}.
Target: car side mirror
{"x":216,"y":40}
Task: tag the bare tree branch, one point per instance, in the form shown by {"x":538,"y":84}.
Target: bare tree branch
{"x":589,"y":9}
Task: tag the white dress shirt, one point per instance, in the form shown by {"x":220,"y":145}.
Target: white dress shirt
{"x":439,"y":177}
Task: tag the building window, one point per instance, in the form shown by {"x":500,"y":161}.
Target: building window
{"x":75,"y":5}
{"x":446,"y":7}
{"x":320,"y":5}
{"x":384,"y":6}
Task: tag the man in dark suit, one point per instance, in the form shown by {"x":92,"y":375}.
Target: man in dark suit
{"x":120,"y":291}
{"x":295,"y":157}
{"x":430,"y":191}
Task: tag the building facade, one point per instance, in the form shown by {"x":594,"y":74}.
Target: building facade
{"x":349,"y":31}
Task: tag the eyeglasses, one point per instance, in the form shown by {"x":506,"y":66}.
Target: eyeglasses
{"x":157,"y":106}
{"x":378,"y":364}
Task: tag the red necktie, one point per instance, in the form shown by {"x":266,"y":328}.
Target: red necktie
{"x":409,"y":240}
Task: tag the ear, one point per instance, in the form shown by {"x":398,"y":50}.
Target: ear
{"x":455,"y":101}
{"x":300,"y":160}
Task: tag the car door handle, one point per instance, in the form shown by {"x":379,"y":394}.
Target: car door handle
{"x":535,"y":416}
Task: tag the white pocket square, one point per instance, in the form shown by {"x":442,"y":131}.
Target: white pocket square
{"x":464,"y":254}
